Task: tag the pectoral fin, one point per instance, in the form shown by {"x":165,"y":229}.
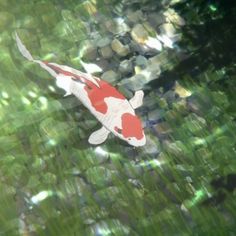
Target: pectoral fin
{"x":99,"y":136}
{"x":137,"y":100}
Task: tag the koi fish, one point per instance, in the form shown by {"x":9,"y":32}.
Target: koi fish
{"x":106,"y":103}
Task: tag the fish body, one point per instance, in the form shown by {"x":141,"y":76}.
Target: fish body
{"x":106,"y":103}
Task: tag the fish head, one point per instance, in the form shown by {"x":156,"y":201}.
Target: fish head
{"x":131,"y":130}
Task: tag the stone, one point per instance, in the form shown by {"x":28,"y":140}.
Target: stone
{"x":163,"y":128}
{"x":155,"y":114}
{"x":134,"y":83}
{"x":195,"y":123}
{"x":126,"y":67}
{"x":99,"y":176}
{"x":110,"y":76}
{"x":159,"y":59}
{"x":176,"y":148}
{"x":156,"y":19}
{"x":119,"y":48}
{"x":107,"y":195}
{"x":168,"y":29}
{"x":102,"y":155}
{"x":106,"y":52}
{"x":132,"y":170}
{"x":173,"y":17}
{"x":135,"y":16}
{"x":141,"y":61}
{"x":117,"y":26}
{"x":139,"y":34}
{"x":88,"y":51}
{"x":151,"y":72}
{"x":152,"y":146}
{"x":181,"y":91}
{"x":103,"y":42}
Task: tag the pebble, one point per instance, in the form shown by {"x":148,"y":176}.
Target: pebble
{"x":139,"y":34}
{"x":119,"y":48}
{"x":126,"y":67}
{"x":195,"y":123}
{"x":103,"y":42}
{"x":132,"y":170}
{"x":110,"y":76}
{"x":88,"y":51}
{"x":161,"y":59}
{"x":106,"y":52}
{"x":175,"y":148}
{"x":173,"y":17}
{"x":134,"y":83}
{"x":141,"y":61}
{"x":155,"y":114}
{"x":135,"y":16}
{"x":168,"y":29}
{"x":99,"y":175}
{"x":107,"y":195}
{"x":152,"y":146}
{"x":156,"y":19}
{"x":163,"y":128}
{"x":151,"y":72}
{"x":181,"y":91}
{"x":117,"y":26}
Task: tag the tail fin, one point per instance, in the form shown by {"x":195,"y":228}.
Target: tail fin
{"x":28,"y":56}
{"x":23,"y":49}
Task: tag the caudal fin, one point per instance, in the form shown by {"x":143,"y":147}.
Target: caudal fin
{"x":23,"y":49}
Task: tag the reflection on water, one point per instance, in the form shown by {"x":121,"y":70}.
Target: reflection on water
{"x":182,"y":55}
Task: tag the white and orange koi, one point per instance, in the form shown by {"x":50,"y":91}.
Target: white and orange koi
{"x":106,"y":103}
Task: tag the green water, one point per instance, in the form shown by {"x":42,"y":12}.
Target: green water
{"x":182,"y":182}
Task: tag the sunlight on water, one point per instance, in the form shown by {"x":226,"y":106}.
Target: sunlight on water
{"x":5,"y":95}
{"x":25,"y":101}
{"x":43,"y":103}
{"x":32,"y":94}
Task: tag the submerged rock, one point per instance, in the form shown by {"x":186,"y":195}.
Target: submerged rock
{"x":134,"y":83}
{"x":141,"y":61}
{"x":156,"y":19}
{"x":168,"y":29}
{"x":173,"y":17}
{"x":103,"y":42}
{"x":119,"y":48}
{"x":106,"y":52}
{"x":117,"y":26}
{"x":126,"y":67}
{"x":139,"y":34}
{"x":110,"y":76}
{"x":135,"y":16}
{"x":88,"y":50}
